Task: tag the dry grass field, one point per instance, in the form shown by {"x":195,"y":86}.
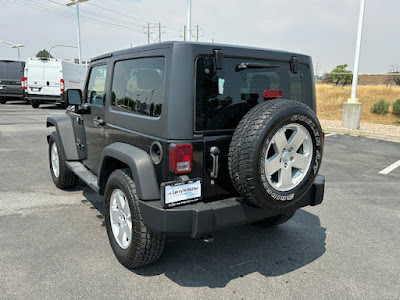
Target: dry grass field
{"x":330,"y":101}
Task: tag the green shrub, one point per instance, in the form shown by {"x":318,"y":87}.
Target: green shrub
{"x":381,"y":107}
{"x":396,"y":107}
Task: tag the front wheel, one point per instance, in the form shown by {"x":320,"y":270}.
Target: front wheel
{"x":62,"y":176}
{"x":132,"y":243}
{"x":3,"y":100}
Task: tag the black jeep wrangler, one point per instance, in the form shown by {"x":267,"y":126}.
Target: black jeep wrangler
{"x":188,"y":138}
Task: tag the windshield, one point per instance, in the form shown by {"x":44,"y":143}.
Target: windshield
{"x":224,"y":96}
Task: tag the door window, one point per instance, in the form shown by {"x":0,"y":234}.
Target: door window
{"x":96,"y":88}
{"x":137,"y":86}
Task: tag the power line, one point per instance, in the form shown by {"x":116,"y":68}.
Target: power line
{"x":71,"y":16}
{"x":116,"y":12}
{"x":91,"y":13}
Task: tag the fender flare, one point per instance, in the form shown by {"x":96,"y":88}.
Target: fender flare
{"x":66,"y":133}
{"x":140,"y":164}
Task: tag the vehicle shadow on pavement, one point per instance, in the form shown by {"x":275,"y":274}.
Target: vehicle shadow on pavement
{"x":240,"y":251}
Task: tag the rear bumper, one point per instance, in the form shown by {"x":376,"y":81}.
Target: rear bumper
{"x":14,"y":93}
{"x":198,"y":219}
{"x":45,"y":99}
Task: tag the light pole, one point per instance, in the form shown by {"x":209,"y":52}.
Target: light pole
{"x":358,"y":50}
{"x":189,"y":19}
{"x":15,"y":46}
{"x":61,"y":46}
{"x":76,"y":2}
{"x":352,"y":108}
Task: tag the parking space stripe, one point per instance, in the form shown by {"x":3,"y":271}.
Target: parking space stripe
{"x":390,"y":168}
{"x":330,"y":134}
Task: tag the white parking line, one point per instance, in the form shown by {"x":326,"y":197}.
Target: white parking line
{"x":330,"y":134}
{"x":390,"y":168}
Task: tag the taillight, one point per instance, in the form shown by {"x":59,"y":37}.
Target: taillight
{"x":269,"y":94}
{"x":62,"y":85}
{"x":323,"y":137}
{"x":181,"y":158}
{"x":24,"y":83}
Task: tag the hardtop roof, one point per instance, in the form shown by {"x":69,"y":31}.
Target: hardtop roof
{"x":171,"y":44}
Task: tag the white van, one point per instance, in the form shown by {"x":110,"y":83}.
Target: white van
{"x":46,"y":79}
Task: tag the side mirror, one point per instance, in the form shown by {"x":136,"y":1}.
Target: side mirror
{"x":74,"y":97}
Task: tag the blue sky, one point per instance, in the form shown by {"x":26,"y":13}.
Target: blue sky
{"x":326,"y":30}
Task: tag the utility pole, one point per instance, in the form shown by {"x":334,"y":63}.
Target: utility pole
{"x":352,"y":108}
{"x":197,"y":35}
{"x":184,"y":32}
{"x":78,"y":26}
{"x":189,"y":19}
{"x":316,"y":71}
{"x":159,"y":32}
{"x":148,"y":33}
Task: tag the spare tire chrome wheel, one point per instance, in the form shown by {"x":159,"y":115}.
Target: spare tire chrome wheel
{"x":288,"y":157}
{"x":275,"y":153}
{"x":120,"y":218}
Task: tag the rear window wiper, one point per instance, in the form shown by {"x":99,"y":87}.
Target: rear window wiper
{"x":250,"y":65}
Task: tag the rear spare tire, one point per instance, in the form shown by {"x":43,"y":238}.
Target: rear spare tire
{"x":275,"y":153}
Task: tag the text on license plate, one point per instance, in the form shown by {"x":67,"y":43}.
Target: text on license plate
{"x":175,"y":194}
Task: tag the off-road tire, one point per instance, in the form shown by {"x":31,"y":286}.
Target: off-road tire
{"x":66,"y":178}
{"x":146,"y":246}
{"x":277,"y":220}
{"x":35,"y":103}
{"x":248,"y":152}
{"x":3,"y":100}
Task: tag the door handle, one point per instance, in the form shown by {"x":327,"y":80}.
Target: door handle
{"x":99,"y":121}
{"x":214,"y":151}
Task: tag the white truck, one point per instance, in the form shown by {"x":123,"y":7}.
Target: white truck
{"x":46,"y":79}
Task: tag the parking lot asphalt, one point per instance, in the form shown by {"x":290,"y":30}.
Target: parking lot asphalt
{"x":53,"y":243}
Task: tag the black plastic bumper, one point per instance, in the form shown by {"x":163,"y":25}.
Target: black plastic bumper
{"x":45,"y":99}
{"x":198,"y":219}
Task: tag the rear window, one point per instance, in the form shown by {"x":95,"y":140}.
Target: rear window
{"x":224,"y":96}
{"x":11,"y":70}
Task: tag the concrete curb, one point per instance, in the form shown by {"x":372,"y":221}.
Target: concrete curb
{"x":364,"y":134}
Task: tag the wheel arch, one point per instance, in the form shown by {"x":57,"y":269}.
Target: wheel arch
{"x":65,"y":131}
{"x":121,"y":155}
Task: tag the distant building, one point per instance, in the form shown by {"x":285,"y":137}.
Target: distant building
{"x":373,"y":79}
{"x":377,"y":79}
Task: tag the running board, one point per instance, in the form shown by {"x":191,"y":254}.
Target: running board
{"x":84,"y":173}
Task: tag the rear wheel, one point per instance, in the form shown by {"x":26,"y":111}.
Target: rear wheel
{"x":35,"y":103}
{"x":62,"y":176}
{"x":133,"y":244}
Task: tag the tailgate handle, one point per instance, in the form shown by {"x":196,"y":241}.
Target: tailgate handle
{"x":214,"y":151}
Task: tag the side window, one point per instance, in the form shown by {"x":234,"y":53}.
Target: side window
{"x":137,"y":86}
{"x":95,"y":91}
